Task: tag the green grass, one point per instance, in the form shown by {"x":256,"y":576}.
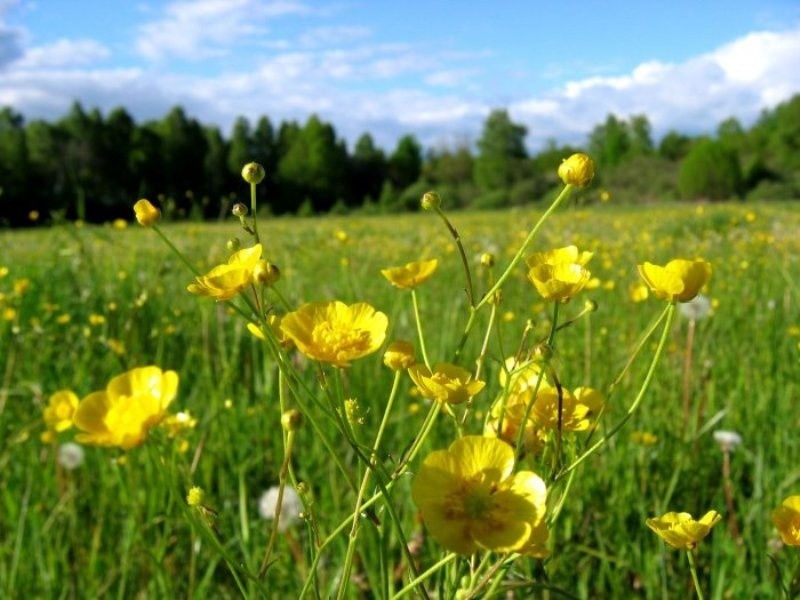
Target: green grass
{"x":118,"y":525}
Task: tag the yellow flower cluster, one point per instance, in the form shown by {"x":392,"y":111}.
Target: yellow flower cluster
{"x":559,"y":274}
{"x":531,"y":402}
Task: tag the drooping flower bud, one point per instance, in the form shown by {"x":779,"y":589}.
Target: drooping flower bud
{"x":146,"y":214}
{"x":266,"y":273}
{"x":239,"y":210}
{"x":291,"y":420}
{"x":399,"y":355}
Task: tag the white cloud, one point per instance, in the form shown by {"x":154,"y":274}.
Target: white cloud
{"x":199,"y":29}
{"x":387,"y":88}
{"x":739,"y":79}
{"x":63,"y":53}
{"x":332,"y":35}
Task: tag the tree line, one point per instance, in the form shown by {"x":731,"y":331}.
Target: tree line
{"x":91,"y":166}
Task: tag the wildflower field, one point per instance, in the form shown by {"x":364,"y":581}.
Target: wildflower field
{"x":421,"y":437}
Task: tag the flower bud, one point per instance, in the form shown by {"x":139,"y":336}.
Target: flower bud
{"x":399,"y":355}
{"x":266,"y":273}
{"x":233,"y":244}
{"x":590,"y":306}
{"x":291,"y":420}
{"x":146,"y":214}
{"x":487,"y":260}
{"x":195,"y":496}
{"x":577,"y":170}
{"x":431,"y":201}
{"x":239,"y":210}
{"x":253,"y":173}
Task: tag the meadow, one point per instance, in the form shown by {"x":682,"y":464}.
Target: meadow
{"x":81,"y":304}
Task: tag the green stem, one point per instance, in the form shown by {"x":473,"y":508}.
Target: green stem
{"x":450,"y":557}
{"x":669,"y":313}
{"x":565,"y":193}
{"x":254,"y":211}
{"x":174,"y":249}
{"x":693,"y":569}
{"x":524,"y":247}
{"x":419,"y":328}
{"x":351,"y":545}
{"x":287,"y":457}
{"x":464,"y":261}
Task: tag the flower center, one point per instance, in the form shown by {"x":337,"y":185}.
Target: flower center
{"x":478,"y":501}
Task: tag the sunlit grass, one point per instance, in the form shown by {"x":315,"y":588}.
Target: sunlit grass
{"x":101,"y":300}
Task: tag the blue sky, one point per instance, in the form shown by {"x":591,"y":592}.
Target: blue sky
{"x":431,"y":68}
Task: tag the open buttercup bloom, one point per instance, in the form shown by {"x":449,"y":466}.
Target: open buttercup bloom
{"x":411,"y":274}
{"x":559,"y":274}
{"x":335,"y":333}
{"x":131,"y":405}
{"x":223,"y":282}
{"x":679,"y":280}
{"x":681,"y":531}
{"x":471,"y":499}
{"x":447,"y":383}
{"x":786,"y":519}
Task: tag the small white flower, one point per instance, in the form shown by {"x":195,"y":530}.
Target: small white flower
{"x":70,"y":455}
{"x":697,"y":309}
{"x":727,"y":440}
{"x":291,"y":507}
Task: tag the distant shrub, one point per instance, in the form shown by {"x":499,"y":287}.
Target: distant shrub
{"x":710,"y":171}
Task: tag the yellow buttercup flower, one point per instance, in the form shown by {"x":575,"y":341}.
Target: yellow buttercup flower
{"x":681,"y":531}
{"x":575,"y":415}
{"x":470,"y":499}
{"x":446,"y":383}
{"x":335,"y":333}
{"x":60,"y":408}
{"x":223,"y":282}
{"x":509,"y":414}
{"x":559,"y":274}
{"x":146,"y":214}
{"x":123,"y":413}
{"x":411,"y":274}
{"x":578,"y":170}
{"x":787,"y":520}
{"x":679,"y":280}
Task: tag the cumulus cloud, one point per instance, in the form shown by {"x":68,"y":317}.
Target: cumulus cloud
{"x":388,"y":89}
{"x":199,"y":29}
{"x":63,"y":53}
{"x":739,"y":79}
